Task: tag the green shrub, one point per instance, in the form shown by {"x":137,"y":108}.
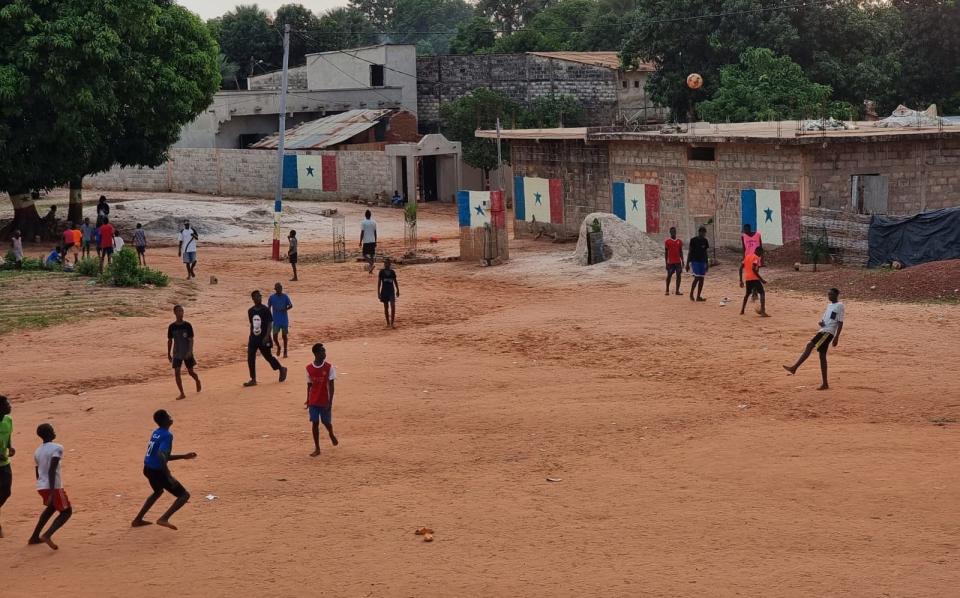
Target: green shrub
{"x":88,"y":266}
{"x":154,"y":277}
{"x":125,"y":271}
{"x":29,"y":263}
{"x":816,"y":249}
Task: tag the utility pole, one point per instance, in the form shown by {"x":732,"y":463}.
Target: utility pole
{"x":278,"y":202}
{"x":499,"y":158}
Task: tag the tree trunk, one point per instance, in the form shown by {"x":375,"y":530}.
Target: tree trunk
{"x":25,"y":218}
{"x":75,"y":211}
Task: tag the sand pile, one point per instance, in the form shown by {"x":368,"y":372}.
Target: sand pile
{"x":622,"y":242}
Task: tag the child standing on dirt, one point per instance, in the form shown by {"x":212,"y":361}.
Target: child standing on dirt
{"x":698,"y":259}
{"x":292,"y":253}
{"x":17,"y":244}
{"x":88,"y":236}
{"x":320,"y":386}
{"x":388,"y":289}
{"x":368,"y":240}
{"x":155,"y":469}
{"x":105,"y":242}
{"x":180,"y":349}
{"x":754,"y":282}
{"x":831,"y":324}
{"x":140,"y":243}
{"x":673,"y":256}
{"x":47,"y":459}
{"x":279,"y":304}
{"x":6,"y":451}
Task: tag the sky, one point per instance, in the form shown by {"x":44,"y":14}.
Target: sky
{"x":209,"y":9}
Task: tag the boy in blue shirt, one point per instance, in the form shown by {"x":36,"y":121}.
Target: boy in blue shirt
{"x":280,"y":304}
{"x":159,"y":453}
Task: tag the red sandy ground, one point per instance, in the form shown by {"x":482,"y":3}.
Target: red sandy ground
{"x":691,"y":465}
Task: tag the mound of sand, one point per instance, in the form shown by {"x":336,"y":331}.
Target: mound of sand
{"x":622,"y":242}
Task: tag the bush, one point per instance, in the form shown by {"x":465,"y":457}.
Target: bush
{"x":125,"y":271}
{"x":88,"y":266}
{"x":30,"y":264}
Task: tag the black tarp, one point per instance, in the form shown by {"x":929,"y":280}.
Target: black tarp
{"x":912,"y":240}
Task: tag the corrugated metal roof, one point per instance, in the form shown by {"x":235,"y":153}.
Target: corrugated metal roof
{"x":610,"y":60}
{"x":327,"y":131}
{"x":565,"y":133}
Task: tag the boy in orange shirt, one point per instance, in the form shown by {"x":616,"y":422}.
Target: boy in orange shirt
{"x":754,"y":282}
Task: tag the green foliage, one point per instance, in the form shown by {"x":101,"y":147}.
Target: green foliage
{"x":526,"y":40}
{"x":473,"y":35}
{"x":341,"y":28}
{"x":510,"y":15}
{"x":410,"y":213}
{"x":301,"y":20}
{"x":125,"y":271}
{"x":552,"y":111}
{"x":479,"y":110}
{"x":595,"y":226}
{"x":931,"y":45}
{"x":428,"y":22}
{"x":88,"y":266}
{"x":10,"y":260}
{"x":816,"y":248}
{"x":376,"y":12}
{"x":764,"y":86}
{"x":247,"y":34}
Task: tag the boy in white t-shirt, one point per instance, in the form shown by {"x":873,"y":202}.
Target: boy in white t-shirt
{"x":831,"y":323}
{"x":50,"y":486}
{"x":188,"y":249}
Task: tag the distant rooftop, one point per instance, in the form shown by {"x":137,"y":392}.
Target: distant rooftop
{"x":610,"y":60}
{"x":325,"y":132}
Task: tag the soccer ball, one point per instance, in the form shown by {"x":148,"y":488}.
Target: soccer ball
{"x":694,"y":81}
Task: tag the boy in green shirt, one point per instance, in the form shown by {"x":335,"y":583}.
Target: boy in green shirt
{"x":6,"y":451}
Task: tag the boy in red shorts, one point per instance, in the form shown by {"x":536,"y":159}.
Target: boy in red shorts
{"x":320,"y":384}
{"x":673,"y":256}
{"x":50,"y":487}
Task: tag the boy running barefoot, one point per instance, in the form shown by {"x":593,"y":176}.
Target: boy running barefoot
{"x":292,"y":253}
{"x":279,"y":304}
{"x":50,"y":486}
{"x":6,"y":451}
{"x":831,"y":323}
{"x":698,"y":259}
{"x":180,"y":349}
{"x":159,"y":453}
{"x":750,"y":272}
{"x":320,"y":385}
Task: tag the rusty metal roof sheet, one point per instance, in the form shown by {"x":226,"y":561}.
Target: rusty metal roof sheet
{"x":610,"y":60}
{"x":325,"y":132}
{"x":536,"y":134}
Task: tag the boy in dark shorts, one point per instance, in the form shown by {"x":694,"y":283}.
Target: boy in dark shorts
{"x":320,"y":385}
{"x":105,"y":242}
{"x":88,"y":232}
{"x":50,"y":486}
{"x":698,"y":259}
{"x":292,"y":253}
{"x":279,"y":304}
{"x":673,"y":256}
{"x":388,"y":289}
{"x":180,"y":349}
{"x":831,"y":323}
{"x":261,"y":323}
{"x":368,"y":240}
{"x":750,"y":272}
{"x":6,"y":451}
{"x":155,"y":469}
{"x":140,"y":243}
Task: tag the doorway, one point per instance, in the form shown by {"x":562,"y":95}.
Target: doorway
{"x":428,"y":178}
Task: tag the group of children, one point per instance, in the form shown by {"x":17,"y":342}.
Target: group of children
{"x":753,"y":284}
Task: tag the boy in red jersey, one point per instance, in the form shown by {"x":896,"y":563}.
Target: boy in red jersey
{"x":320,"y":385}
{"x":673,"y":256}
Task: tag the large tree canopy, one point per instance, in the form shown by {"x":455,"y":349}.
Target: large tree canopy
{"x":478,"y":110}
{"x":931,"y":53}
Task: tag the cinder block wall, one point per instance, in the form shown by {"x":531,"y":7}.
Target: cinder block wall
{"x":923,"y":174}
{"x":847,"y":234}
{"x":521,"y":77}
{"x":249,"y":173}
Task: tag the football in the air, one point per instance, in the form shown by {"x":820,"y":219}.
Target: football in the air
{"x":694,"y":81}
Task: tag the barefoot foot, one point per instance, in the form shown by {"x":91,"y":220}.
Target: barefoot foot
{"x":181,"y":397}
{"x":166,"y":524}
{"x":315,"y":453}
{"x":199,"y":386}
{"x":140,"y":523}
{"x":333,"y":440}
{"x":790,"y":370}
{"x":49,"y":542}
{"x":823,"y":387}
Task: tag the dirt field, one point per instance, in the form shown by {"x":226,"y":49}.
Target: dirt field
{"x":689,"y":463}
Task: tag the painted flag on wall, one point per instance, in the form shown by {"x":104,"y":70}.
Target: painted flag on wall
{"x":774,"y":214}
{"x":310,"y":172}
{"x":474,"y":208}
{"x":638,"y":204}
{"x":539,"y":200}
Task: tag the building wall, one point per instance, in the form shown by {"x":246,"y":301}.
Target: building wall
{"x":521,"y":77}
{"x":922,"y":174}
{"x":634,"y":103}
{"x":350,"y":69}
{"x":249,"y":173}
{"x":847,"y":234}
{"x":584,"y":170}
{"x":296,"y":79}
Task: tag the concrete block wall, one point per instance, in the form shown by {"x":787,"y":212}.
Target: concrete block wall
{"x":584,"y":170}
{"x":521,"y":77}
{"x":847,"y":233}
{"x":248,"y":173}
{"x":923,"y":174}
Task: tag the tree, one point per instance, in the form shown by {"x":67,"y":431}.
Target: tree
{"x":764,"y":86}
{"x":429,"y":21}
{"x":228,"y":72}
{"x":301,"y":21}
{"x":473,"y":35}
{"x":931,"y":69}
{"x":478,"y":110}
{"x":378,"y":13}
{"x":135,"y":70}
{"x":527,"y":40}
{"x":248,"y":38}
{"x":552,"y":111}
{"x":341,"y":28}
{"x":510,"y":15}
{"x":561,"y":24}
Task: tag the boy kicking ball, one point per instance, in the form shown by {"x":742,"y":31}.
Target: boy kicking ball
{"x":155,"y":469}
{"x":50,"y":486}
{"x":320,"y":385}
{"x":831,"y":323}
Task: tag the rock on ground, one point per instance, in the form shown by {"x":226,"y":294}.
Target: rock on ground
{"x":622,"y":242}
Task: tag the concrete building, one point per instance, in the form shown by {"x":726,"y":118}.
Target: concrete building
{"x":375,"y":77}
{"x":706,"y":173}
{"x":610,"y":94}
